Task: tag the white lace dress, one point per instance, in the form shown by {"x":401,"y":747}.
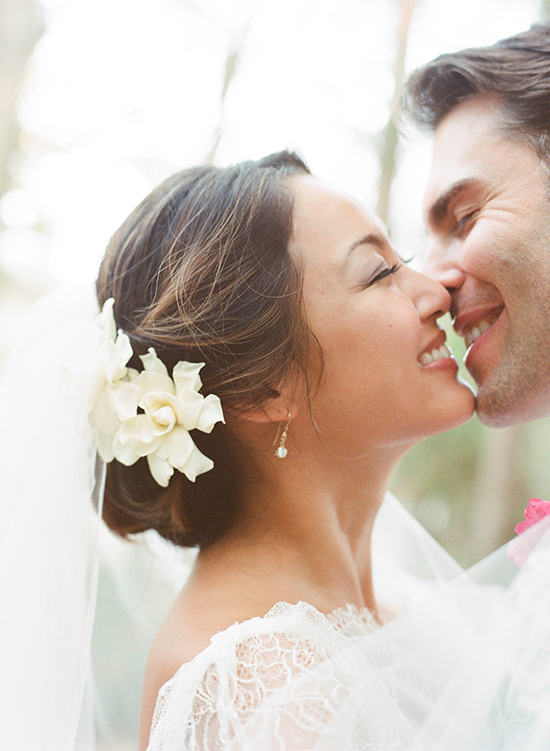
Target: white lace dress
{"x":466,"y":667}
{"x":260,"y":684}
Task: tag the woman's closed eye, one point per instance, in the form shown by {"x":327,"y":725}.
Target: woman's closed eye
{"x":383,"y":272}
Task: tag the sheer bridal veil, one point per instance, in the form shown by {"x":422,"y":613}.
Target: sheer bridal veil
{"x":466,"y":659}
{"x":48,"y":550}
{"x":54,"y":549}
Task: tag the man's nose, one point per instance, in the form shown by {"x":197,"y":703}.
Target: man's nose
{"x":444,"y":266}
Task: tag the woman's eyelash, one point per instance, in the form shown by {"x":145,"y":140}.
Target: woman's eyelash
{"x":385,"y":272}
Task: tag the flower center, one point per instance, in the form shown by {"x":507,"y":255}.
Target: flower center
{"x":165,"y":419}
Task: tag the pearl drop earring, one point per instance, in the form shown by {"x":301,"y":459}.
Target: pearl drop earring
{"x":281,"y":451}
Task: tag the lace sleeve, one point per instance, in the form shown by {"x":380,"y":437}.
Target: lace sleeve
{"x":216,"y":701}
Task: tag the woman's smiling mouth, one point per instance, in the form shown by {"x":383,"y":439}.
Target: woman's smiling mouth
{"x":426,"y":358}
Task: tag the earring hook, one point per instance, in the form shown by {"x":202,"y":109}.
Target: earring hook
{"x":281,"y":451}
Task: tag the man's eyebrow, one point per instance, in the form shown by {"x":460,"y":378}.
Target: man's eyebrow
{"x":439,"y":208}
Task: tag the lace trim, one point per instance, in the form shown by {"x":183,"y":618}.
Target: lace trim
{"x":211,"y":698}
{"x":353,"y":621}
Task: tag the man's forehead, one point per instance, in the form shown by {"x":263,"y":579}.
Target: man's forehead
{"x":460,"y":141}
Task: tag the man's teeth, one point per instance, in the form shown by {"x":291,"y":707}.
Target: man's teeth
{"x":435,"y":354}
{"x":475,"y":332}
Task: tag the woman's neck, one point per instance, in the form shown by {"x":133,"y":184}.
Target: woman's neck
{"x":305,"y":531}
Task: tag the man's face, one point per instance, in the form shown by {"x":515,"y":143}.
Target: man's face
{"x":487,"y":210}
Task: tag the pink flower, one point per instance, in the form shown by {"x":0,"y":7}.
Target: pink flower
{"x":521,"y":547}
{"x":535,"y":511}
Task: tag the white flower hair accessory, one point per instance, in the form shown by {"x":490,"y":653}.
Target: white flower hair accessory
{"x":170,"y":408}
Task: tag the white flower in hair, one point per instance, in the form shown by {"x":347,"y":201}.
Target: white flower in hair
{"x":171,"y":407}
{"x":114,"y":399}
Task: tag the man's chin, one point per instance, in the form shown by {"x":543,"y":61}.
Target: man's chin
{"x":492,"y":420}
{"x":500,"y":410}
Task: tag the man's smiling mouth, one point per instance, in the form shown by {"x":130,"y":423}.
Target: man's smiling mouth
{"x":473,"y":331}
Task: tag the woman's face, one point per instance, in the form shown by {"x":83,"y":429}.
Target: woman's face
{"x":386,"y":380}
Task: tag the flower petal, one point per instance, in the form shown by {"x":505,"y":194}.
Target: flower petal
{"x":114,"y":357}
{"x":196,"y":464}
{"x":164,"y":419}
{"x":535,"y":511}
{"x":186,"y":376}
{"x":102,"y":414}
{"x":155,"y":400}
{"x":105,"y":446}
{"x":176,"y":447}
{"x":161,"y":470}
{"x":211,"y":413}
{"x":152,"y":363}
{"x":124,"y":453}
{"x":148,"y":381}
{"x":190,"y":406}
{"x":180,"y":450}
{"x":519,"y":550}
{"x":138,"y":435}
{"x":106,"y":318}
{"x":125,"y":398}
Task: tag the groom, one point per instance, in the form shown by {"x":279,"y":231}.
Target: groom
{"x":487,"y":210}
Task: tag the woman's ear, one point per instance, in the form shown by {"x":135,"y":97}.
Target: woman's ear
{"x":290,"y":401}
{"x":278,"y":410}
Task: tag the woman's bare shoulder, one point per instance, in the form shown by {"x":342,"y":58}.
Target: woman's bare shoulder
{"x":222,"y":590}
{"x":183,"y":634}
{"x":196,"y":616}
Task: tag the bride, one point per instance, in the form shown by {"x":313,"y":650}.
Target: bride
{"x":265,"y":359}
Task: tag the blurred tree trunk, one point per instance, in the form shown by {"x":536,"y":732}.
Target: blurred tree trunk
{"x":20,"y":29}
{"x":390,"y":136}
{"x":497,"y":493}
{"x":232,"y":61}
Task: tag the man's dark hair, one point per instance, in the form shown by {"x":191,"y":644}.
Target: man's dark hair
{"x":515,"y":72}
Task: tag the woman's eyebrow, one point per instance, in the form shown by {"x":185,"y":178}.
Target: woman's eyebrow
{"x":370,"y":239}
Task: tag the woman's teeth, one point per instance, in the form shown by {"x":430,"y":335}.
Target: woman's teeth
{"x":436,"y":354}
{"x":475,"y":332}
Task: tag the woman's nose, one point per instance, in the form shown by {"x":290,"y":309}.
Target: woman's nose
{"x":430,"y":297}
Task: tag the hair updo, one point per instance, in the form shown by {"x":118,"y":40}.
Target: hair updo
{"x":201,"y":272}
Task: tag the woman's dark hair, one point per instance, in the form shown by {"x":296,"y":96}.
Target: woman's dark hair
{"x":201,"y":272}
{"x":515,"y":72}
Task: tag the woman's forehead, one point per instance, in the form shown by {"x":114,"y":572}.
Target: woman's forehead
{"x":329,"y":219}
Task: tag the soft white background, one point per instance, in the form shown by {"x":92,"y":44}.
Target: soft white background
{"x":120,"y":93}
